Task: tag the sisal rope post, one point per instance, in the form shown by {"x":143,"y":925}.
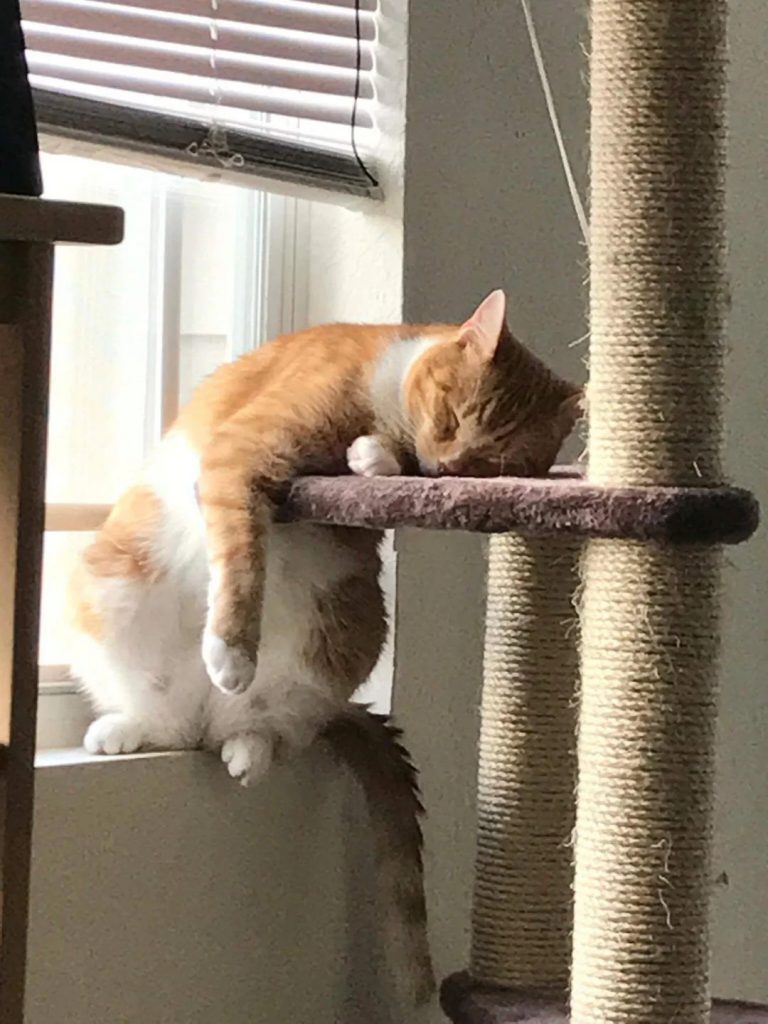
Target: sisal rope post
{"x":649,"y":612}
{"x":521,"y":922}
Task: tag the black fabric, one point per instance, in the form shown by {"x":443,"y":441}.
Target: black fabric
{"x":19,"y":154}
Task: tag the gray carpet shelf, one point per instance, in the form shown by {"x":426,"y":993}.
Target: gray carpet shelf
{"x":467,"y":1002}
{"x":562,"y":503}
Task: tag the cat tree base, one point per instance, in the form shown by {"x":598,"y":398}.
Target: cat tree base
{"x":465,"y":1001}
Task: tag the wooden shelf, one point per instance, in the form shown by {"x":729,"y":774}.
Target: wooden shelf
{"x":29,"y":230}
{"x":25,"y":219}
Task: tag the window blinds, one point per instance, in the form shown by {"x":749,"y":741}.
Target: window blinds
{"x":249,"y":85}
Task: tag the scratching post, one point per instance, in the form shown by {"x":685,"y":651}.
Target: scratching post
{"x":650,"y":613}
{"x":521,"y":924}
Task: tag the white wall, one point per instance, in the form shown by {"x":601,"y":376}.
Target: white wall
{"x":356,"y":251}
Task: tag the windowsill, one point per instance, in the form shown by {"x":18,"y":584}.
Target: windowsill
{"x":175,"y":771}
{"x":67,"y":757}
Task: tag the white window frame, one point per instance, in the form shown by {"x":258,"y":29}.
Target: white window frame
{"x":270,"y":298}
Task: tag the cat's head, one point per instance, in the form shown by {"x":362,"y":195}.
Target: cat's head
{"x":480,"y":404}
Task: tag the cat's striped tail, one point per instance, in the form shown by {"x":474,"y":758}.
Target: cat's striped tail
{"x":369,"y":745}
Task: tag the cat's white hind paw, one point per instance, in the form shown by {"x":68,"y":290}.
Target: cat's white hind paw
{"x":247,"y":757}
{"x":114,"y":734}
{"x":229,"y":668}
{"x":367,"y":456}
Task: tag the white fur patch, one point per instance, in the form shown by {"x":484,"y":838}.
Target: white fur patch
{"x":114,"y":734}
{"x":172,"y":473}
{"x":247,"y":756}
{"x":389,"y":374}
{"x":230,"y":669}
{"x":366,"y":456}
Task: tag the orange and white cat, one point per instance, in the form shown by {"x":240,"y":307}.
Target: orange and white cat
{"x":190,"y":583}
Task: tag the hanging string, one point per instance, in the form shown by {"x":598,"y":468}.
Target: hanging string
{"x":215,"y":144}
{"x":358,"y":70}
{"x":538,"y":58}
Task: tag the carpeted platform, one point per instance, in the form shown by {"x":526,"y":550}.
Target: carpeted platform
{"x":560,"y":503}
{"x":467,"y":1002}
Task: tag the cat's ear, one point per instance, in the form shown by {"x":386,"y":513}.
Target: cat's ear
{"x":483,"y":329}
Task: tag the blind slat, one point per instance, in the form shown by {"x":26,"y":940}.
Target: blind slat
{"x":56,"y":77}
{"x":365,"y":5}
{"x":115,"y":51}
{"x":328,"y":20}
{"x":85,"y":16}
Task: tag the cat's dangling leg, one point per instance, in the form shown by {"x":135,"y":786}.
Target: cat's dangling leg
{"x":240,"y":465}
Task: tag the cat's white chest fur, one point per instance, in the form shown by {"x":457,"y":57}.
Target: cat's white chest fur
{"x":388,"y":380}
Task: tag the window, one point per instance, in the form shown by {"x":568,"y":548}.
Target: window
{"x":234,"y":93}
{"x":206,"y":271}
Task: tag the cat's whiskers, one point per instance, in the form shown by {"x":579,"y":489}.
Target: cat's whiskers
{"x":579,"y":341}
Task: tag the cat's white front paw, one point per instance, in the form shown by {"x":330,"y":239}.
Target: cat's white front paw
{"x":229,"y":668}
{"x":247,"y":757}
{"x":367,"y":456}
{"x":114,"y":734}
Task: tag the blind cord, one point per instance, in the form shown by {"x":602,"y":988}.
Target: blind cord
{"x":215,"y":143}
{"x":358,"y":71}
{"x":576,"y":201}
{"x":578,"y":205}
